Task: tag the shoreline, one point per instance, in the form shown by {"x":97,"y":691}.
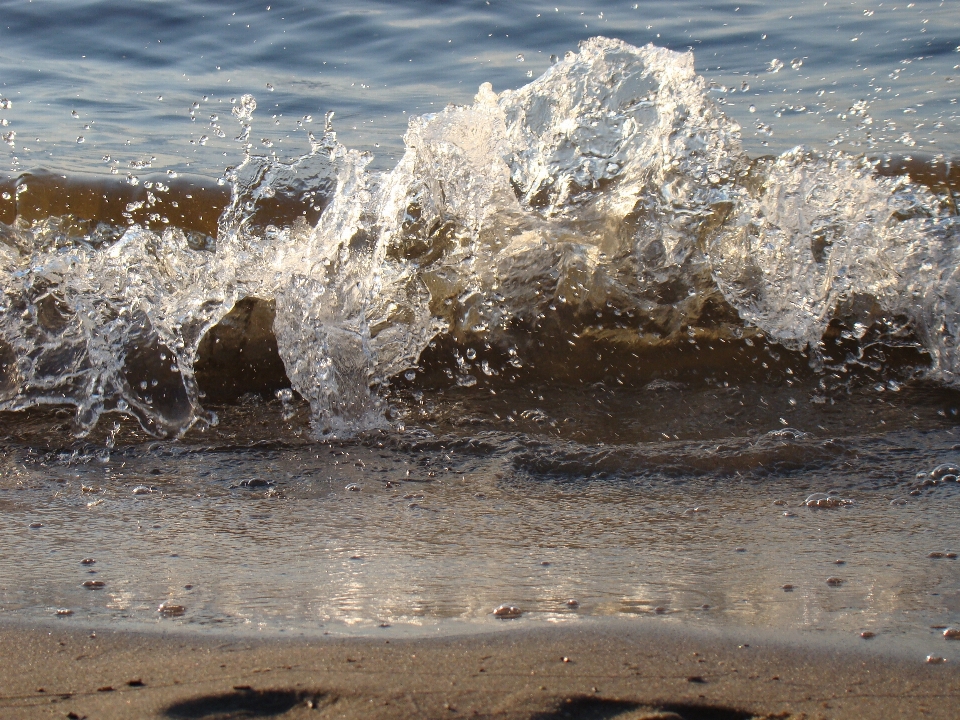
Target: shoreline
{"x":612,"y":670}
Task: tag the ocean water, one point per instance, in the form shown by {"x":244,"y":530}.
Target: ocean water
{"x":373,"y":317}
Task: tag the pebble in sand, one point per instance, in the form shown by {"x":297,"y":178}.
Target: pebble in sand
{"x":823,"y":500}
{"x":507,"y":612}
{"x":171,"y":609}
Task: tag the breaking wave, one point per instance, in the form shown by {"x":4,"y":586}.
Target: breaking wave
{"x":608,"y":201}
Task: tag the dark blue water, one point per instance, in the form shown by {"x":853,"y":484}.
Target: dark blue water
{"x":141,"y":83}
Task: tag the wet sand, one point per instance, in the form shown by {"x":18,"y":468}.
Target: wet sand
{"x":595,"y":670}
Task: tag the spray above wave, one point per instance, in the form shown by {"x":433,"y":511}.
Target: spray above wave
{"x":609,"y":199}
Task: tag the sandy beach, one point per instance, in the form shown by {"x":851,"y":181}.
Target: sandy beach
{"x":602,"y":670}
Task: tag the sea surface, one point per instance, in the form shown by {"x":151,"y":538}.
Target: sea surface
{"x":370,"y":317}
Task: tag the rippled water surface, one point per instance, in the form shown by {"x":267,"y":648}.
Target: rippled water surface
{"x":372,"y":317}
{"x":140,"y":82}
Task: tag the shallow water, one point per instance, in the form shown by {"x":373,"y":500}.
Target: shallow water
{"x":252,"y":528}
{"x":597,"y":337}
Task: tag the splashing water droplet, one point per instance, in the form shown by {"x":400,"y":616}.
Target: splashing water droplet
{"x":244,"y":110}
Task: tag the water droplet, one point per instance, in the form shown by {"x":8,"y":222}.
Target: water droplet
{"x":75,"y":114}
{"x":269,"y":87}
{"x":753,"y":108}
{"x":796,"y":63}
{"x":5,"y":104}
{"x":142,"y":490}
{"x":520,"y":57}
{"x":244,"y":111}
{"x":353,"y":487}
{"x":80,"y":140}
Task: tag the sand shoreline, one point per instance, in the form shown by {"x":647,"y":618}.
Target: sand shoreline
{"x":597,"y":670}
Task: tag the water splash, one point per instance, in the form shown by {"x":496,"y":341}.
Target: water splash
{"x":609,"y":199}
